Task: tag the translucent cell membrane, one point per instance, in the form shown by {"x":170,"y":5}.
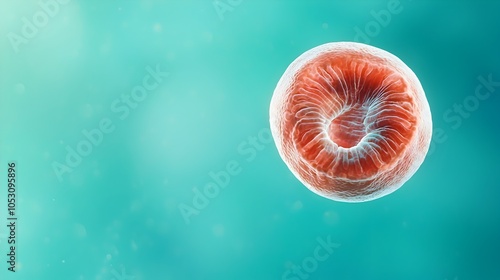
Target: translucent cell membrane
{"x":351,"y":121}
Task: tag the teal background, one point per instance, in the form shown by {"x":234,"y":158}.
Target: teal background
{"x":117,"y":215}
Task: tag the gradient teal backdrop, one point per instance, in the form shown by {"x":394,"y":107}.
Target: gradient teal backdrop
{"x":119,"y":212}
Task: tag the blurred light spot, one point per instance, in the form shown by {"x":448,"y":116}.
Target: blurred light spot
{"x":105,"y":48}
{"x":171,"y":56}
{"x":208,"y":37}
{"x":133,"y":245}
{"x":135,"y":206}
{"x":87,"y":111}
{"x":218,"y":230}
{"x":157,"y":27}
{"x":20,"y":88}
{"x":297,"y":205}
{"x":330,"y":217}
{"x":80,"y":230}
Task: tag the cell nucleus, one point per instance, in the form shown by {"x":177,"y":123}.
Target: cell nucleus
{"x":351,"y":121}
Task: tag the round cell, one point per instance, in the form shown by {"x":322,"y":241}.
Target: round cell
{"x":350,"y":121}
